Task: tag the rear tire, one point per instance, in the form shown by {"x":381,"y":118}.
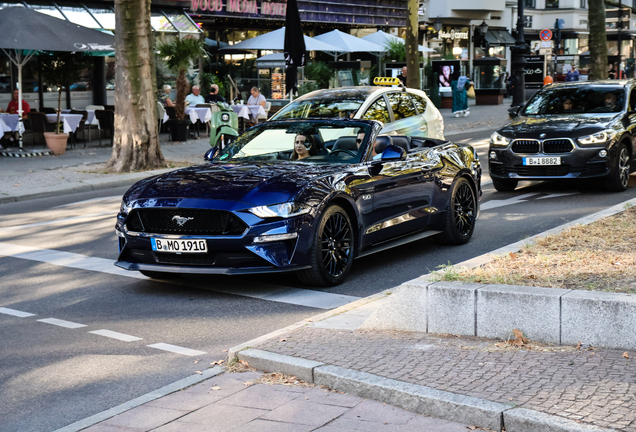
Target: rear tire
{"x":459,"y":221}
{"x":505,"y":185}
{"x":618,"y":178}
{"x":331,"y":256}
{"x":159,"y":275}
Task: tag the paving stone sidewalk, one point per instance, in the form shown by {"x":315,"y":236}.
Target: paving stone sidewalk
{"x":226,"y":403}
{"x":596,"y":387}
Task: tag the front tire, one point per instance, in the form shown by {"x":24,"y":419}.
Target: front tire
{"x":459,"y":221}
{"x":504,"y":185}
{"x":618,"y":178}
{"x":331,"y":255}
{"x":159,"y":275}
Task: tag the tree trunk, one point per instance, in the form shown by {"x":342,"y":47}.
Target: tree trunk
{"x":136,"y":141}
{"x":598,"y":40}
{"x":412,"y":53}
{"x":183,"y":86}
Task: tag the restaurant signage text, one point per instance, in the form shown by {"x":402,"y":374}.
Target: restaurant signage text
{"x":247,"y":7}
{"x":452,"y":35}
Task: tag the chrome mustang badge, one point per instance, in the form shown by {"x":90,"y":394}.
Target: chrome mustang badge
{"x":180,"y":220}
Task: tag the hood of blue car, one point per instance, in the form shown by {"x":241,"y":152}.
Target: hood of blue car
{"x":252,"y":184}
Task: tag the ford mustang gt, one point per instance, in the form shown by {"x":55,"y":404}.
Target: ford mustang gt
{"x":306,"y":196}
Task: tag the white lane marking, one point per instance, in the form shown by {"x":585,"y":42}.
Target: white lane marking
{"x":58,"y":221}
{"x":115,"y":335}
{"x":558,"y":195}
{"x":500,"y":203}
{"x":302,"y":297}
{"x":14,"y":312}
{"x":88,"y":201}
{"x":65,"y":259}
{"x":177,"y":349}
{"x":62,"y":323}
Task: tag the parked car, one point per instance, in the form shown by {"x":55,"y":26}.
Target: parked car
{"x":574,"y":130}
{"x":402,"y":111}
{"x":257,"y":207}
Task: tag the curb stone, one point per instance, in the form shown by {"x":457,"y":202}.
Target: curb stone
{"x":525,"y":420}
{"x":273,"y":362}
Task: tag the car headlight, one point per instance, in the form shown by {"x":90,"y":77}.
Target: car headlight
{"x":499,"y":140}
{"x":597,"y":138}
{"x":125,"y":207}
{"x":225,"y":117}
{"x":284,"y":210}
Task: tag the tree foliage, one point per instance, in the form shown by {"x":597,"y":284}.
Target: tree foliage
{"x":178,"y":54}
{"x":598,"y":40}
{"x":396,"y":50}
{"x":320,"y":72}
{"x":62,"y":69}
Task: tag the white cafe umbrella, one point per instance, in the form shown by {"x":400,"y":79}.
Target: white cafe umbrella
{"x":383,"y":39}
{"x":347,"y":43}
{"x":275,"y":41}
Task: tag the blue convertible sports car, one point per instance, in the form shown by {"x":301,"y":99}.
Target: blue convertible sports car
{"x":306,"y":196}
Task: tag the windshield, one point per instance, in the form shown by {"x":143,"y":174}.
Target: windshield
{"x":343,"y":107}
{"x":576,"y":100}
{"x":300,"y":141}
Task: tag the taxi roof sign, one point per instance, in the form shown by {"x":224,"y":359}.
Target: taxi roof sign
{"x":386,"y":81}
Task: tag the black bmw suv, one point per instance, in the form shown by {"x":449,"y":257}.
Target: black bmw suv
{"x":566,"y":131}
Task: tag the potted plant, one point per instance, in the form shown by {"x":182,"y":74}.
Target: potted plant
{"x":61,"y":69}
{"x":178,"y":54}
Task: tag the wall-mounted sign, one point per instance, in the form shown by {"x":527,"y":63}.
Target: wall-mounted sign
{"x":247,"y":7}
{"x":452,"y":35}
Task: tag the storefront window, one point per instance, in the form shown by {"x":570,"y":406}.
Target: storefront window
{"x":489,"y":77}
{"x":531,"y":4}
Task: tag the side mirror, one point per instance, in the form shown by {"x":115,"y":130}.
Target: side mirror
{"x":514,"y":111}
{"x":209,"y":155}
{"x":393,"y":152}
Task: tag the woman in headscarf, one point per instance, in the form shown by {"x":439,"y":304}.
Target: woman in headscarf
{"x":460,"y":100}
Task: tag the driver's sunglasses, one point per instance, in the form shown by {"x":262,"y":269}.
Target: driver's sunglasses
{"x":358,"y":141}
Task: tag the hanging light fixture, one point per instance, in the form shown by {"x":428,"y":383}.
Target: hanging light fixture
{"x":483,"y":28}
{"x":437,"y":25}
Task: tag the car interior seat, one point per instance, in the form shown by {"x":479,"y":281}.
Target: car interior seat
{"x":382,"y":142}
{"x":402,"y":141}
{"x":345,"y":143}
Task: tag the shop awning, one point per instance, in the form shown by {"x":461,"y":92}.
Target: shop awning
{"x":499,"y":37}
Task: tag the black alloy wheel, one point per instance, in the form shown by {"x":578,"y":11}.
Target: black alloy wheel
{"x":618,"y":178}
{"x":504,"y":185}
{"x":332,"y":254}
{"x":459,"y":222}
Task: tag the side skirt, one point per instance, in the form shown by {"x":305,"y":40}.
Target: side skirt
{"x":397,"y":242}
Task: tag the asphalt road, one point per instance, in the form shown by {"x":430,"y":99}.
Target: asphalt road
{"x":55,"y":372}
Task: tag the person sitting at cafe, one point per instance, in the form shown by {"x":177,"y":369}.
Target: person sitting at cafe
{"x":13,"y":106}
{"x":214,"y":96}
{"x":194,"y":98}
{"x":303,"y":147}
{"x":257,"y":98}
{"x":164,"y":98}
{"x":402,"y":76}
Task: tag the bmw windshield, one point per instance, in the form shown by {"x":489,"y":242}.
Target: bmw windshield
{"x":300,"y":141}
{"x":572,"y":100}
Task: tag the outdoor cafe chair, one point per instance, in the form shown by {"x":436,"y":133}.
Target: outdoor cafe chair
{"x":106,"y":120}
{"x":47,"y":110}
{"x":83,"y":125}
{"x":161,"y":110}
{"x":207,"y":123}
{"x":39,"y":124}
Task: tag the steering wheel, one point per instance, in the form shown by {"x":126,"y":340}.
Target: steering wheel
{"x":349,"y":152}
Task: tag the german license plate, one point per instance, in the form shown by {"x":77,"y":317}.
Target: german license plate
{"x":179,"y":246}
{"x":542,"y":161}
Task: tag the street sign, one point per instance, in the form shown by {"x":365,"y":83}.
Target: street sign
{"x":546,"y":35}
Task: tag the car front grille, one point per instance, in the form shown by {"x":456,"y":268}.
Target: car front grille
{"x":557,"y":146}
{"x":199,"y":222}
{"x":542,"y":171}
{"x":187,"y":259}
{"x":525,"y":146}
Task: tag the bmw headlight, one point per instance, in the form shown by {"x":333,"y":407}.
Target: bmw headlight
{"x":225,"y":117}
{"x":597,"y":138}
{"x":125,"y":208}
{"x":284,"y":210}
{"x":499,"y":140}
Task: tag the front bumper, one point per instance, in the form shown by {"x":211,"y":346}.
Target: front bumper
{"x":238,"y":254}
{"x":579,"y":163}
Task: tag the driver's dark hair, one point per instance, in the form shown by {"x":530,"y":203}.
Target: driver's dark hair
{"x":313,"y":150}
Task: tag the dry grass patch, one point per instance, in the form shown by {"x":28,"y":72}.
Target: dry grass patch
{"x":600,"y":256}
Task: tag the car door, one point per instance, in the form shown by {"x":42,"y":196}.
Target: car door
{"x":432,"y":122}
{"x":630,"y":121}
{"x":378,"y":110}
{"x":406,"y":120}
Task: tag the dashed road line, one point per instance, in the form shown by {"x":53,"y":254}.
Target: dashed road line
{"x":62,"y":323}
{"x":115,"y":335}
{"x":59,"y":221}
{"x":177,"y":349}
{"x":14,"y":312}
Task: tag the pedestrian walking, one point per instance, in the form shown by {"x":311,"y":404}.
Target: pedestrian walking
{"x":460,"y":99}
{"x":573,"y":75}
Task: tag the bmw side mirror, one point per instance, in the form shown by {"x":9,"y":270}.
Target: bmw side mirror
{"x":209,"y":155}
{"x":514,"y":111}
{"x":393,"y":152}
